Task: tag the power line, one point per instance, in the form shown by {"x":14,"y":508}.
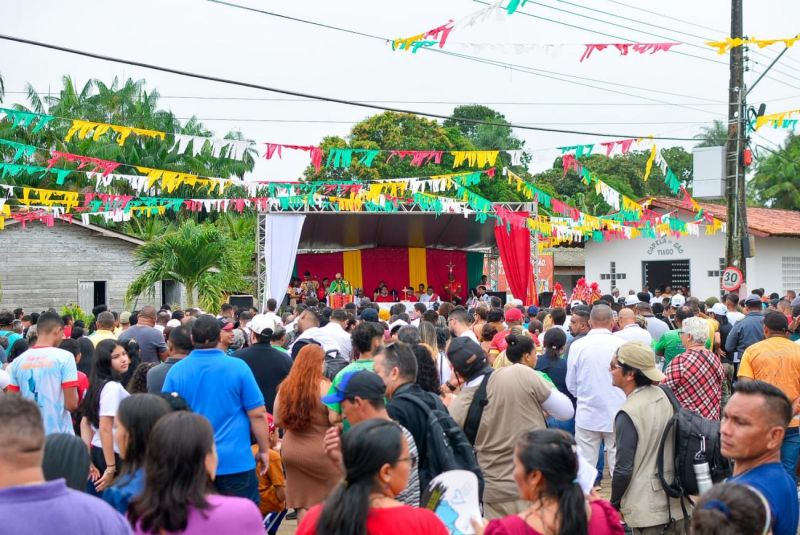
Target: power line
{"x":218,"y":79}
{"x":620,"y":37}
{"x":571,"y":79}
{"x":702,"y":38}
{"x":449,"y":102}
{"x":717,"y":30}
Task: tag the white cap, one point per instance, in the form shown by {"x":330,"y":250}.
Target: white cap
{"x":678,"y":300}
{"x":261,"y":322}
{"x":719,"y":309}
{"x":395,"y":323}
{"x":631,"y":300}
{"x":575,"y":303}
{"x":174,"y":323}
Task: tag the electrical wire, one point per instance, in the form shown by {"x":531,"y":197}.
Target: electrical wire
{"x":522,"y":12}
{"x":571,"y":79}
{"x":702,"y":38}
{"x":716,"y":30}
{"x":448,"y":102}
{"x":228,"y":81}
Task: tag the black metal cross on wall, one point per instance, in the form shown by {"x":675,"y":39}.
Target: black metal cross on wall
{"x":613,"y":276}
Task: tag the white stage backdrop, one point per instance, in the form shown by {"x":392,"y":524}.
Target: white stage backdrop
{"x":280,"y":250}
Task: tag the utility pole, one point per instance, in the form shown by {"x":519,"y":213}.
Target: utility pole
{"x":736,"y":231}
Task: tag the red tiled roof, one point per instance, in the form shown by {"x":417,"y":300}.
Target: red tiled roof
{"x":760,"y":221}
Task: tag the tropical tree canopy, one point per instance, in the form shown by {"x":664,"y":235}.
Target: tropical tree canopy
{"x":715,"y":135}
{"x":199,"y":256}
{"x":777,"y":180}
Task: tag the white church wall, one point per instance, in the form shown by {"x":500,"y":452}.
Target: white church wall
{"x":776,"y":265}
{"x":703,"y":254}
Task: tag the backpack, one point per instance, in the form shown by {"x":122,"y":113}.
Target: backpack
{"x":693,"y":435}
{"x":447,"y":445}
{"x":334,"y":363}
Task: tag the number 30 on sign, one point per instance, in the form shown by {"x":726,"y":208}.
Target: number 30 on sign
{"x":732,"y":278}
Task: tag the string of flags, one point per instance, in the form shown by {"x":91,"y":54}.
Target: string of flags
{"x":624,"y":48}
{"x":777,"y":120}
{"x":726,"y":44}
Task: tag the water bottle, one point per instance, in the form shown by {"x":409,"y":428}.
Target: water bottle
{"x":702,"y":474}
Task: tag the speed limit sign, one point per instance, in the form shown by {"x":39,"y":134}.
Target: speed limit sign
{"x":732,"y":278}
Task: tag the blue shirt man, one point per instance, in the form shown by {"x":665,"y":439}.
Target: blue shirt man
{"x":751,"y":433}
{"x":748,"y":330}
{"x":224,"y":390}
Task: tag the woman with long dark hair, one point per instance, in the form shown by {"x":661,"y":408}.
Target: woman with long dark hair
{"x":136,"y":417}
{"x":553,"y":363}
{"x":377,"y":465}
{"x":546,"y":472}
{"x":427,"y":375}
{"x":310,"y":474}
{"x":180,"y":465}
{"x":99,"y":409}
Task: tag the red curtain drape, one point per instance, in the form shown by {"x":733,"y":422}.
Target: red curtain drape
{"x":320,"y":265}
{"x":437,"y":260}
{"x":515,"y":251}
{"x":387,"y":264}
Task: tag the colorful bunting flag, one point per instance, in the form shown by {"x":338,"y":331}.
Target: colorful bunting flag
{"x":624,"y":48}
{"x":728,"y":43}
{"x":83,"y":128}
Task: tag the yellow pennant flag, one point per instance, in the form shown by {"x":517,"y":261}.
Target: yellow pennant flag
{"x":649,"y":166}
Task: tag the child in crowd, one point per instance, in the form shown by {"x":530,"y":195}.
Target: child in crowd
{"x":271,"y":485}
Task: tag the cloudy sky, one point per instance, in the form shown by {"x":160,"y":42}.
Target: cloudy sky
{"x":667,"y":94}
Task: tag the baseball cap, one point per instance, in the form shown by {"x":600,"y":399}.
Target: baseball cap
{"x":533,"y":310}
{"x":124,"y":318}
{"x":631,"y":300}
{"x":752,"y":298}
{"x":640,"y":356}
{"x":261,"y":322}
{"x":363,"y":384}
{"x":678,"y":300}
{"x":513,"y":314}
{"x":225,"y":324}
{"x":368,"y":314}
{"x":575,"y":303}
{"x":466,"y":356}
{"x":719,"y":309}
{"x":174,"y":323}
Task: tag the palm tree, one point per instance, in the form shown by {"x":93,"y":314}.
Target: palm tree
{"x":198,"y":256}
{"x":777,"y":179}
{"x":715,"y":135}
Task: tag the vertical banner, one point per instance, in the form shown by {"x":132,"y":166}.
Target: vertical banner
{"x":543,"y":272}
{"x":417,"y":267}
{"x":352,"y":269}
{"x":514,"y":245}
{"x":280,"y":250}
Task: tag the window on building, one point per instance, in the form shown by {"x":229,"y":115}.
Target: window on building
{"x":91,"y":294}
{"x":790,"y":272}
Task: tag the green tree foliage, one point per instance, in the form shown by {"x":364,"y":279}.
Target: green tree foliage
{"x":197,"y":255}
{"x":624,"y":173}
{"x":715,"y":135}
{"x":127,"y":104}
{"x":777,"y":180}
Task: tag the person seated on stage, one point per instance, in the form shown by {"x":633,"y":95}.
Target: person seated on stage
{"x":377,"y":292}
{"x":420,"y":292}
{"x":452,"y":289}
{"x":429,"y":297}
{"x":408,"y":295}
{"x":322,"y":289}
{"x":383,"y":296}
{"x":308,"y":288}
{"x":340,"y":286}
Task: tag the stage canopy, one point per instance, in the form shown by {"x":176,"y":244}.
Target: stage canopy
{"x":381,"y":233}
{"x":323,"y":232}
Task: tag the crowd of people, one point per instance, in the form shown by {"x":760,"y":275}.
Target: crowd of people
{"x":161,"y":421}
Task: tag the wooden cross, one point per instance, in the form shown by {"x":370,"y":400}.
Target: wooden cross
{"x":613,"y":276}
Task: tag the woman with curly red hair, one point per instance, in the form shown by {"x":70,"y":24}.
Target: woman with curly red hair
{"x":310,"y":474}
